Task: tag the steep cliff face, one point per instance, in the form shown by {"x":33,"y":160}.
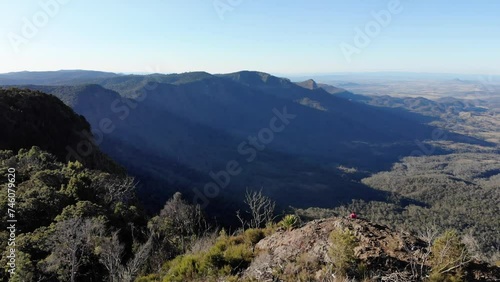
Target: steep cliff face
{"x":32,"y":118}
{"x":380,"y":253}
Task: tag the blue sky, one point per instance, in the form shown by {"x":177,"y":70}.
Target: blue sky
{"x":280,"y":36}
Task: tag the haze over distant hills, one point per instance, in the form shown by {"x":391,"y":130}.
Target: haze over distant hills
{"x":178,"y":129}
{"x":392,"y":75}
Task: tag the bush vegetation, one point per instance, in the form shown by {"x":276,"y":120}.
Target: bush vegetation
{"x":226,"y":258}
{"x":289,"y":222}
{"x":341,"y":252}
{"x":448,"y":256}
{"x":78,"y":222}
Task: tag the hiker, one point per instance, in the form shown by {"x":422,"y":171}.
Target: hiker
{"x":353,"y":215}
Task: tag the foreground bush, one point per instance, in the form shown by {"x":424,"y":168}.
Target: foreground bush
{"x":226,"y":258}
{"x":289,"y":222}
{"x":342,"y":250}
{"x":448,"y":256}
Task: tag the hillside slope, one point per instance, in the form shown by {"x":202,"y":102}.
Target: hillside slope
{"x":178,"y":130}
{"x":200,"y":121}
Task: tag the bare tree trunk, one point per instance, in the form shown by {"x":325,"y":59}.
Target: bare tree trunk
{"x":74,"y":266}
{"x":261,"y":208}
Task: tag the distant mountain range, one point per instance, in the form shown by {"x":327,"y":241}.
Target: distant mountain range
{"x":181,"y":131}
{"x":421,"y":105}
{"x":52,"y":77}
{"x":392,"y":75}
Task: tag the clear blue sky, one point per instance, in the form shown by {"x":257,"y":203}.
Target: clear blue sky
{"x":280,"y":36}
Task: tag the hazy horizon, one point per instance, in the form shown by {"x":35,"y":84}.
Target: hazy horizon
{"x":328,"y":78}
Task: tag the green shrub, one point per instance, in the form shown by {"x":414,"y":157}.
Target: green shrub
{"x":215,"y":257}
{"x":442,"y":277}
{"x":253,"y":236}
{"x":289,"y":222}
{"x":25,"y":271}
{"x":183,"y":268}
{"x":270,"y":229}
{"x":238,"y":257}
{"x":448,"y":255}
{"x":304,"y":268}
{"x":342,"y":250}
{"x":235,"y":240}
{"x":226,"y":258}
{"x":148,"y":278}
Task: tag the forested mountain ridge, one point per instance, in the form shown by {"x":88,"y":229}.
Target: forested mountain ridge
{"x":70,"y":204}
{"x":197,"y":122}
{"x":52,"y":77}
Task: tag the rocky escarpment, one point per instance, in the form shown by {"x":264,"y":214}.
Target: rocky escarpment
{"x":382,"y":253}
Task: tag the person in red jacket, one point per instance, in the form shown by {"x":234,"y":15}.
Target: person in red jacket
{"x":353,"y":215}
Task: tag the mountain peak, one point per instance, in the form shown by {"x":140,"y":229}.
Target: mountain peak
{"x":182,"y":78}
{"x":308,"y":84}
{"x":256,"y":78}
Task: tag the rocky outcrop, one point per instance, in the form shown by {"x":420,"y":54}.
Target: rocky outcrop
{"x":382,"y":251}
